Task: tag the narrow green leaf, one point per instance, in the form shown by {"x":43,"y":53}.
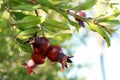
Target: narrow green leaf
{"x":76,"y":25}
{"x":48,"y":4}
{"x":79,"y":17}
{"x":28,"y":21}
{"x":83,"y":6}
{"x":101,"y":31}
{"x":108,"y":18}
{"x":26,"y":7}
{"x":17,"y":2}
{"x":27,"y":27}
{"x":117,"y":22}
{"x":18,"y":15}
{"x":64,"y":5}
{"x":54,"y":25}
{"x":60,"y":38}
{"x":25,"y":47}
{"x":27,"y":33}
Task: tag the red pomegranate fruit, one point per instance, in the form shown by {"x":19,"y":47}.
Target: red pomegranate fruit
{"x":40,"y":43}
{"x":55,"y":54}
{"x":38,"y":58}
{"x":80,"y":22}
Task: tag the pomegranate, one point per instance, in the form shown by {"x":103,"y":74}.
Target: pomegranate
{"x":80,"y":22}
{"x":55,"y":54}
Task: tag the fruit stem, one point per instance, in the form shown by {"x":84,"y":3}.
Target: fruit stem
{"x":36,"y":12}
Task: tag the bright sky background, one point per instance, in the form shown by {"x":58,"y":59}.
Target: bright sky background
{"x":90,"y":55}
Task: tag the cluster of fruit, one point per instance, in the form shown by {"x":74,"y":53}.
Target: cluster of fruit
{"x":42,"y":51}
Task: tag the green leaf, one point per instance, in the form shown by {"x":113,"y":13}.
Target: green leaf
{"x":75,"y":25}
{"x":14,"y":3}
{"x":101,"y":31}
{"x":28,"y":21}
{"x":83,"y":6}
{"x":54,"y":25}
{"x":64,"y":5}
{"x":48,"y":4}
{"x":63,"y":13}
{"x":27,"y":27}
{"x":108,"y":18}
{"x":60,"y":38}
{"x":18,"y":15}
{"x":25,"y":34}
{"x":26,"y":7}
{"x":25,"y":47}
{"x":117,"y":22}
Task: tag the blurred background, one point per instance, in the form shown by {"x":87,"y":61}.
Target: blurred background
{"x":92,"y":60}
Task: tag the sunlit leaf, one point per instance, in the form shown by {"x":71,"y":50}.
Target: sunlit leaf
{"x":101,"y":31}
{"x":25,"y":34}
{"x":54,"y":25}
{"x":27,"y":27}
{"x":26,"y":7}
{"x":75,"y":25}
{"x":64,"y":5}
{"x":113,"y":22}
{"x":108,"y":18}
{"x":28,"y":21}
{"x":86,"y":5}
{"x":60,"y":38}
{"x":14,"y":3}
{"x":48,"y":4}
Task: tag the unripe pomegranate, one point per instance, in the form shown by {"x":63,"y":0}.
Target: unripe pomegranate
{"x":80,"y":22}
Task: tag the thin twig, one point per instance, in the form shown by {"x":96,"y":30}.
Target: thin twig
{"x":36,"y":12}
